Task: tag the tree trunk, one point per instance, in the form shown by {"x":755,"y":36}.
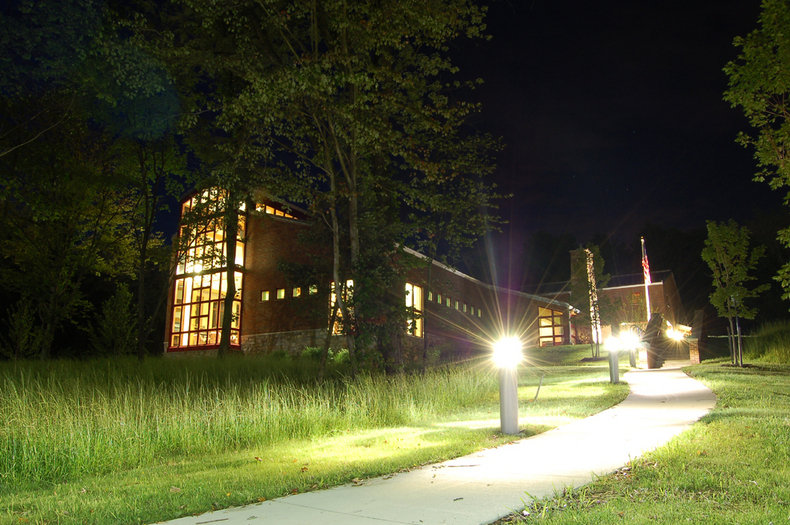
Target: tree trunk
{"x":340,"y":285}
{"x":740,"y":346}
{"x":428,"y":284}
{"x":731,"y":341}
{"x":231,"y":233}
{"x":327,"y":342}
{"x":142,"y":332}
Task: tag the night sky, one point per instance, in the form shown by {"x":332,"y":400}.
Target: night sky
{"x":612,"y":116}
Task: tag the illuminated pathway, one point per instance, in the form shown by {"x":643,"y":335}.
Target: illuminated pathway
{"x":482,"y":487}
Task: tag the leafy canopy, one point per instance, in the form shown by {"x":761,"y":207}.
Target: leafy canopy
{"x":731,"y":260}
{"x":759,"y":83}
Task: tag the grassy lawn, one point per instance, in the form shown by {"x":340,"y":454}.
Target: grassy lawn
{"x":732,"y":467}
{"x":118,"y":442}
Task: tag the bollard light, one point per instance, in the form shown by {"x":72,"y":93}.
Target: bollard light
{"x":507,"y":356}
{"x":630,"y":342}
{"x":613,"y":345}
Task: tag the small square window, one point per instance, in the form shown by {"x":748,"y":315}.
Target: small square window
{"x":281,"y":293}
{"x":265,"y":295}
{"x":313,"y":289}
{"x":297,"y":291}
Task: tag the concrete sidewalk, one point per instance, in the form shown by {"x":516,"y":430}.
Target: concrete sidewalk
{"x":483,"y":487}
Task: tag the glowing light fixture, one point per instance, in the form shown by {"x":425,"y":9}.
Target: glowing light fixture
{"x":507,"y":356}
{"x":675,"y":335}
{"x":507,"y":352}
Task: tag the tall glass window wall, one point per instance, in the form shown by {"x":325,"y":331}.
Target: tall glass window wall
{"x":201,"y":275}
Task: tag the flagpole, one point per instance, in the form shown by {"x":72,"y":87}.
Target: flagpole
{"x":646,"y":275}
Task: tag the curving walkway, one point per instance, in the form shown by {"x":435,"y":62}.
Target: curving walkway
{"x":485,"y":486}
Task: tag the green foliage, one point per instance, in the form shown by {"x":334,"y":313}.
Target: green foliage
{"x":759,"y":83}
{"x":21,"y":337}
{"x":115,"y":332}
{"x":731,"y":260}
{"x":86,"y":157}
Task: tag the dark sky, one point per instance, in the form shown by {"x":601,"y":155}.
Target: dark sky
{"x":613,"y":116}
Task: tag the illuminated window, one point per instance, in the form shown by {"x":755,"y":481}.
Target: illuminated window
{"x":479,"y":313}
{"x":414,"y":305}
{"x":472,"y":310}
{"x":347,"y":293}
{"x":313,"y":289}
{"x":281,"y":293}
{"x":457,"y":305}
{"x":430,"y":295}
{"x":198,"y":305}
{"x":551,"y":329}
{"x":272,"y":210}
{"x":297,"y":292}
{"x":200,"y":283}
{"x":447,"y":302}
{"x":265,"y":295}
{"x":439,"y":298}
{"x":464,"y":307}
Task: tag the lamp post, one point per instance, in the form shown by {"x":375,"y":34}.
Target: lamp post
{"x":507,"y":356}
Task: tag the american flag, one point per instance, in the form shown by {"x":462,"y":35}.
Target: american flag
{"x":645,"y":264}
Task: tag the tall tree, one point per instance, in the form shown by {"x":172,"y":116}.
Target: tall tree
{"x":76,"y":87}
{"x":731,"y":260}
{"x":759,"y":83}
{"x":329,"y":100}
{"x":581,"y":291}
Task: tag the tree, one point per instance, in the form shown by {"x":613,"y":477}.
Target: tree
{"x":86,"y":136}
{"x":759,"y":83}
{"x":329,"y":101}
{"x":731,"y":260}
{"x":581,"y":292}
{"x":61,"y":225}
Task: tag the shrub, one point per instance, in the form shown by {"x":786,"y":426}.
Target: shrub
{"x":115,"y":332}
{"x":21,"y":339}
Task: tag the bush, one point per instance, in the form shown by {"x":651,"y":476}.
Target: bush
{"x":115,"y":332}
{"x":22,"y":339}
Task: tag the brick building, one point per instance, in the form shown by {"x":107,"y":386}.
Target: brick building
{"x":625,"y":295}
{"x":285,"y":294}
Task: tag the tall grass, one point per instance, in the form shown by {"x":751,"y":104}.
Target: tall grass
{"x":771,"y":343}
{"x":65,"y":419}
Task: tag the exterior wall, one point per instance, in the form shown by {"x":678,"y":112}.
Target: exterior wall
{"x":292,"y":342}
{"x":272,"y":242}
{"x":490,"y":312}
{"x":629,"y":301}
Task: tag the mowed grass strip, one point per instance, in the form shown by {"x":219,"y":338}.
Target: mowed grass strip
{"x":731,"y":467}
{"x":119,"y":442}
